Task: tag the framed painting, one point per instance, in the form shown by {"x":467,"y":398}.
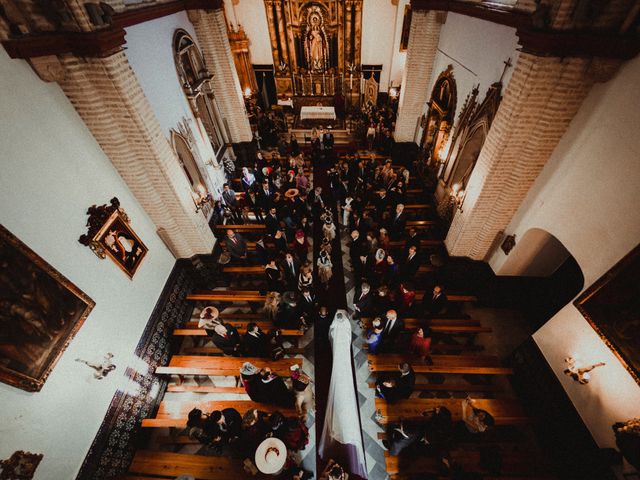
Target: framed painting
{"x":118,"y":241}
{"x":40,"y":313}
{"x":612,"y":307}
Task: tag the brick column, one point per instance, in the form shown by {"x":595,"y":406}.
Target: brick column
{"x":106,"y":94}
{"x":416,"y":78}
{"x":211,"y":30}
{"x":541,"y":99}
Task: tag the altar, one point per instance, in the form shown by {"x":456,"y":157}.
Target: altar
{"x":317,"y":113}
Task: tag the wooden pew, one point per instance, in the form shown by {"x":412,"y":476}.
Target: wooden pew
{"x":247,"y":227}
{"x":248,"y":270}
{"x":423,"y":243}
{"x":264,"y":325}
{"x":451,"y":297}
{"x":522,"y":463}
{"x":453,"y":328}
{"x":230,"y":366}
{"x":444,"y":387}
{"x":408,"y":206}
{"x":458,"y":364}
{"x":250,"y":296}
{"x":505,"y":411}
{"x":201,"y":332}
{"x":170,"y":465}
{"x":431,"y":322}
{"x":418,"y":224}
{"x":175,"y":413}
{"x":216,"y":351}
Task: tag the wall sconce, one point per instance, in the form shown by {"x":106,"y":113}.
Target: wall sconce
{"x":457,"y":195}
{"x":580,"y":375}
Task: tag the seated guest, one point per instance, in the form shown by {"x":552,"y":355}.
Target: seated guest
{"x":254,"y":431}
{"x":420,"y":344}
{"x":362,"y":300}
{"x":276,"y":349}
{"x":373,"y":336}
{"x":398,"y":386}
{"x":276,"y":426}
{"x":412,"y":240}
{"x":302,"y":392}
{"x":475,"y":419}
{"x":393,"y":272}
{"x":305,"y":278}
{"x":291,"y":268}
{"x":381,"y":300}
{"x":226,"y":338}
{"x":208,"y":318}
{"x":438,"y":429}
{"x":436,"y":303}
{"x":250,"y":378}
{"x":236,"y":245}
{"x":307,"y":303}
{"x":196,"y":425}
{"x":274,"y":276}
{"x":295,"y":435}
{"x":300,"y":246}
{"x":262,"y":251}
{"x":229,"y":422}
{"x":271,"y":306}
{"x":275,"y":389}
{"x":398,"y":222}
{"x":400,"y":436}
{"x":289,"y":315}
{"x":379,"y":267}
{"x":255,"y":343}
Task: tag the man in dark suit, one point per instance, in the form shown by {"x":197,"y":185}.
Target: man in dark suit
{"x":255,"y":343}
{"x":355,"y":250}
{"x":271,"y":221}
{"x":291,"y":268}
{"x":410,"y":265}
{"x":398,"y":386}
{"x":265,"y":196}
{"x":327,"y":139}
{"x":413,"y":239}
{"x":436,"y":303}
{"x":398,"y":222}
{"x":308,"y":303}
{"x":362,"y":300}
{"x":236,"y":245}
{"x":392,"y":330}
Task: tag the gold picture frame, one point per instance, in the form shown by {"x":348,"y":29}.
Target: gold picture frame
{"x":612,"y":307}
{"x":40,"y":313}
{"x":117,"y":240}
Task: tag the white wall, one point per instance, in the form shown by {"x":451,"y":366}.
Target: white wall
{"x":251,"y":14}
{"x":398,"y":58}
{"x":52,"y":170}
{"x":378,"y":35}
{"x":587,"y":197}
{"x":150,"y":54}
{"x":476,"y":49}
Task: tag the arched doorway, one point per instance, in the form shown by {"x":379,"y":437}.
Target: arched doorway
{"x":189,"y":167}
{"x":442,"y":108}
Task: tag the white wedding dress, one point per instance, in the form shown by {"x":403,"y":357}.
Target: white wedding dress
{"x":342,"y":418}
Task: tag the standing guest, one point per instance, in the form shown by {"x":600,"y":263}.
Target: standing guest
{"x":291,"y":268}
{"x":294,"y":148}
{"x":280,"y":241}
{"x":255,"y":343}
{"x":271,"y":221}
{"x":307,"y":303}
{"x":382,"y":300}
{"x":373,"y":336}
{"x":411,"y":264}
{"x":420,"y":344}
{"x":362,"y":300}
{"x":276,"y":425}
{"x":289,"y":315}
{"x":412,"y":240}
{"x":322,"y":323}
{"x":475,"y":419}
{"x":305,"y":278}
{"x":379,"y":267}
{"x":384,"y":241}
{"x":398,"y":386}
{"x":302,"y":393}
{"x":272,"y":305}
{"x":346,"y":211}
{"x":265,"y":195}
{"x":302,"y":182}
{"x":355,"y":251}
{"x":229,"y":199}
{"x":274,"y":276}
{"x":434,"y":304}
{"x":247,"y":180}
{"x":325,"y":269}
{"x":300,"y":246}
{"x":229,"y":422}
{"x":251,"y":201}
{"x":401,"y":436}
{"x":236,"y":245}
{"x":391,"y":276}
{"x":275,"y":388}
{"x":318,"y":200}
{"x":406,"y":296}
{"x":250,"y":378}
{"x":254,"y":430}
{"x":372,"y":242}
{"x":296,"y":434}
{"x":398,"y":222}
{"x":392,"y":330}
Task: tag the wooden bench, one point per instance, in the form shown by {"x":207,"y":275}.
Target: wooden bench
{"x":201,"y":332}
{"x":505,"y":411}
{"x":451,"y":297}
{"x":452,"y":364}
{"x":423,"y":243}
{"x":431,"y":322}
{"x":240,"y":317}
{"x":216,"y":351}
{"x":265,"y":325}
{"x":224,"y":366}
{"x":174,"y":414}
{"x":246,"y":227}
{"x":168,"y":465}
{"x":444,"y":387}
{"x":250,"y":270}
{"x":250,"y":296}
{"x":452,"y":328}
{"x":408,"y":206}
{"x":418,"y":224}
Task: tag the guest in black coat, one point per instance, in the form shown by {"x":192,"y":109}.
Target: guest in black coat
{"x":271,"y":221}
{"x":436,"y":303}
{"x":392,"y":331}
{"x":255,"y":342}
{"x":412,"y":240}
{"x":229,"y":423}
{"x":397,"y":223}
{"x":274,"y":276}
{"x":275,"y":389}
{"x":226,"y":338}
{"x":410,"y":264}
{"x":307,"y":305}
{"x":363,"y":301}
{"x":398,"y":386}
{"x":291,"y":268}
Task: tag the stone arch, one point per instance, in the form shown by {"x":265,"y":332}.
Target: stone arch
{"x":189,"y":165}
{"x":441,"y":113}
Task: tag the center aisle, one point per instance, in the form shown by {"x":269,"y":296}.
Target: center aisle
{"x":334,"y":297}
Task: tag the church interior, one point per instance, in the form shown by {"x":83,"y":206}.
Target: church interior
{"x":330,"y":239}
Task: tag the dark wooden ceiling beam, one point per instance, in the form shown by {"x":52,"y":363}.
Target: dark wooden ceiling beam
{"x":541,"y":42}
{"x":103,"y":42}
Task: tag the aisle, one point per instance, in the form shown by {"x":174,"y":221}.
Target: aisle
{"x":334,"y":298}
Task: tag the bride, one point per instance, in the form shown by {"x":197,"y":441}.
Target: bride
{"x":341,"y":434}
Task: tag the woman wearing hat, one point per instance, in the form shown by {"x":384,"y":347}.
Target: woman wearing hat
{"x":300,"y":246}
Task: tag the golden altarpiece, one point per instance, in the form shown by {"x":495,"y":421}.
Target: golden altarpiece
{"x":316,"y":48}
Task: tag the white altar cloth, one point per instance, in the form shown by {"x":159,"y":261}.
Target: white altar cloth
{"x":317,"y":113}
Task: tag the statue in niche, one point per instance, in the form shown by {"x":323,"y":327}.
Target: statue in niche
{"x":316,"y":41}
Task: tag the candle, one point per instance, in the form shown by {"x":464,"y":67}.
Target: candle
{"x":351,"y":81}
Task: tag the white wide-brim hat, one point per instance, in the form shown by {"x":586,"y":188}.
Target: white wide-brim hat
{"x":271,"y":455}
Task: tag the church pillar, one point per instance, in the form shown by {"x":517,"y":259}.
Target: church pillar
{"x":106,"y":94}
{"x":211,"y":30}
{"x":540,"y":101}
{"x":421,"y":51}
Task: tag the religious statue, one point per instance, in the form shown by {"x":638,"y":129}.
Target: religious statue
{"x":316,"y":42}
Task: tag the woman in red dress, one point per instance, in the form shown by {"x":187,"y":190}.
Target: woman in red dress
{"x":421,"y":343}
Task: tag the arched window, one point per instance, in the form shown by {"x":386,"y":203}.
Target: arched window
{"x":196,"y":84}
